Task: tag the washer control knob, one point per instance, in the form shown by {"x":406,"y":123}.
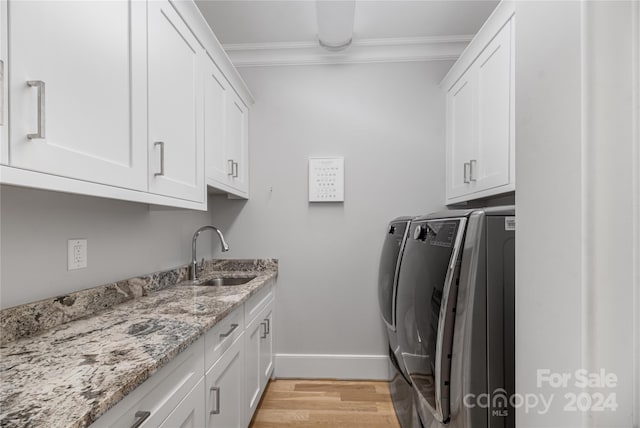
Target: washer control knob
{"x":392,"y":230}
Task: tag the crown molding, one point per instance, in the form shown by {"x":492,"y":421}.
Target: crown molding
{"x":361,"y":51}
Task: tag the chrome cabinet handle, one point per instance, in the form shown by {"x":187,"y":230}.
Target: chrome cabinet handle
{"x":472,"y":168}
{"x":216,"y":411}
{"x":467,"y":165}
{"x":235,"y":174}
{"x":233,"y":327}
{"x":161,"y":144}
{"x":264,"y":334}
{"x":268,"y":325}
{"x":231,"y":162}
{"x":140,"y":418}
{"x":41,"y":108}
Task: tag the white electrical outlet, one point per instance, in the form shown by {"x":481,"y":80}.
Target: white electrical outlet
{"x":77,"y":254}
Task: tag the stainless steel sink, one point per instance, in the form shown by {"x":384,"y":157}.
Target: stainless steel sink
{"x":225,"y":281}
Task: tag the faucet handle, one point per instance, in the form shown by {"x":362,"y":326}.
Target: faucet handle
{"x":200,"y":266}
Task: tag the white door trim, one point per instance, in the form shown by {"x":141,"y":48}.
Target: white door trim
{"x":636,"y":209}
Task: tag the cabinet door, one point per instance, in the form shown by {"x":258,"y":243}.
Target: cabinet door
{"x":190,"y":411}
{"x":154,"y":400}
{"x":176,"y":144}
{"x":494,"y":90}
{"x":224,"y":383}
{"x":238,"y":142}
{"x":219,"y":163}
{"x":460,"y":135}
{"x":266,"y":347}
{"x":253,"y":338}
{"x":78,"y":90}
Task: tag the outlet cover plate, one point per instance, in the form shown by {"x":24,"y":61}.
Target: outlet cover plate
{"x":76,"y":254}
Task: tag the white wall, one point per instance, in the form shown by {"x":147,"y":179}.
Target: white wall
{"x":575,"y":148}
{"x":388,"y":121}
{"x":609,"y":117}
{"x":125,"y":239}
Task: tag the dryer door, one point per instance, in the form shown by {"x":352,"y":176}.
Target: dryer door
{"x":387,"y":275}
{"x":427,"y":295}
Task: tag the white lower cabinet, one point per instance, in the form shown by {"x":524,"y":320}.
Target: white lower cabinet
{"x":253,"y":336}
{"x":224,"y":389}
{"x":266,"y":348}
{"x":189,"y":413}
{"x":258,"y":357}
{"x":216,"y":382}
{"x":153,"y":401}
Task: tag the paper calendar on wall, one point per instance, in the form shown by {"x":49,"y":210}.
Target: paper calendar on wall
{"x":326,"y":179}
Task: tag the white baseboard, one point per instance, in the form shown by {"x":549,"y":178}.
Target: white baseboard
{"x":332,"y":366}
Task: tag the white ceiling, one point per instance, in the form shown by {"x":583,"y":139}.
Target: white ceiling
{"x":268,"y":21}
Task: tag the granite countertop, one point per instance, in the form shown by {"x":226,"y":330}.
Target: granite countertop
{"x":72,"y":373}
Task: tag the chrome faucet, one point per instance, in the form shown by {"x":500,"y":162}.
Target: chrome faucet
{"x":194,"y":268}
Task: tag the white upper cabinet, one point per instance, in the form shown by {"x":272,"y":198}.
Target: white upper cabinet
{"x":226,"y":135}
{"x":480,"y":113}
{"x":107,"y":99}
{"x":78,"y":90}
{"x":176,"y":128}
{"x":459,"y":134}
{"x":216,"y":88}
{"x":494,"y":88}
{"x":238,"y":142}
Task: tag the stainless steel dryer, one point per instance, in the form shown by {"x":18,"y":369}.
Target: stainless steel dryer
{"x":455,"y":317}
{"x":390,"y":259}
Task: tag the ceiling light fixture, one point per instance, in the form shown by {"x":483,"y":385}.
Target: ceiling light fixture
{"x":335,"y":23}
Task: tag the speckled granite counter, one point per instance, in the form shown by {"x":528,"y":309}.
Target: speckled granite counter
{"x":72,"y":373}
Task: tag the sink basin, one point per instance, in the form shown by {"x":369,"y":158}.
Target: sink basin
{"x":225,"y":281}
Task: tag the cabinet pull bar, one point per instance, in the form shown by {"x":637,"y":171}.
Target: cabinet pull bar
{"x":233,"y":327}
{"x":161,"y":144}
{"x":41,"y":108}
{"x":466,"y":168}
{"x":140,"y":416}
{"x":235,"y":173}
{"x":472,"y":168}
{"x":216,"y":411}
{"x":268,"y":325}
{"x":231,"y":162}
{"x":263,"y":335}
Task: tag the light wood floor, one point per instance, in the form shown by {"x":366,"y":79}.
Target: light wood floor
{"x":325,"y":403}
